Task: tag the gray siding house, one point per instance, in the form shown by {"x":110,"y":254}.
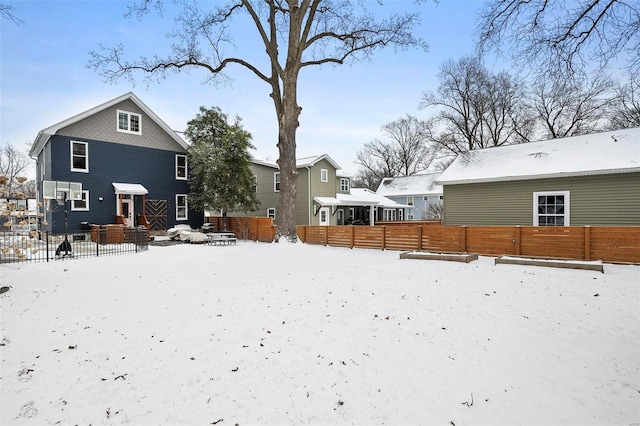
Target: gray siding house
{"x":324,"y":196}
{"x":128,"y":161}
{"x":419,"y":191}
{"x":582,"y":180}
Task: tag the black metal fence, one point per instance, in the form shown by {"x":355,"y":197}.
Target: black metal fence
{"x":35,"y":246}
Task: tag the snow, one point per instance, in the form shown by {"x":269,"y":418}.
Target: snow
{"x":410,"y":185}
{"x":598,"y":153}
{"x":366,"y":197}
{"x":290,"y":333}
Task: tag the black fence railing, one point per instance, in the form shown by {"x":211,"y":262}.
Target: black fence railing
{"x":35,"y":246}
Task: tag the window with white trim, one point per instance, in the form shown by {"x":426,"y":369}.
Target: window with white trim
{"x":276,"y":182}
{"x":81,"y":205}
{"x":271,"y":212}
{"x":344,"y":184}
{"x":389,"y":214}
{"x":254,"y":183}
{"x":551,"y":208}
{"x":425,"y":198}
{"x":181,"y":167}
{"x":324,"y":175}
{"x":79,"y":156}
{"x":410,"y":201}
{"x":181,"y":207}
{"x":129,"y":122}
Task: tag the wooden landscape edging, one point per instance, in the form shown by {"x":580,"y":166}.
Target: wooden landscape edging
{"x":590,"y":265}
{"x":606,"y":243}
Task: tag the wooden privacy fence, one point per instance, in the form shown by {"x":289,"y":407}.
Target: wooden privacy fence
{"x":606,"y":243}
{"x":247,"y":228}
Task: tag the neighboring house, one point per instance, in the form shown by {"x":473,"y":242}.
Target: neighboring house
{"x":420,"y":191}
{"x":582,"y":180}
{"x":130,"y":163}
{"x":18,"y":214}
{"x":324,"y":196}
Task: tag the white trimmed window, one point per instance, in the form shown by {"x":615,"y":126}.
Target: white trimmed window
{"x":181,"y":207}
{"x":81,"y":205}
{"x":271,"y":212}
{"x":254,"y":183}
{"x":79,"y":156}
{"x":129,"y":122}
{"x":389,"y":214}
{"x":324,"y":175}
{"x":276,"y":182}
{"x":181,"y":167}
{"x":551,"y":208}
{"x":344,"y":184}
{"x":425,"y":198}
{"x":410,"y":201}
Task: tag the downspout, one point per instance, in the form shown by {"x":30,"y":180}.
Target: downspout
{"x":309,"y":193}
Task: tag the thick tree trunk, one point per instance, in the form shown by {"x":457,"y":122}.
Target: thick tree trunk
{"x":287,"y":126}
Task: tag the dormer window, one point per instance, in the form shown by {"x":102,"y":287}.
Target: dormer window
{"x":129,"y":122}
{"x":344,"y":184}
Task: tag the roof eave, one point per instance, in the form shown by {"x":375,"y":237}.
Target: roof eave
{"x":540,"y":176}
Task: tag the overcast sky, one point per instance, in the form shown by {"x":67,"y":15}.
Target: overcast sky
{"x":44,"y":78}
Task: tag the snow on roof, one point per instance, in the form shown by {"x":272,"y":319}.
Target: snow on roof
{"x":300,"y":162}
{"x":595,"y":154}
{"x":410,"y":185}
{"x":129,"y":188}
{"x":366,"y":197}
{"x":45,"y":134}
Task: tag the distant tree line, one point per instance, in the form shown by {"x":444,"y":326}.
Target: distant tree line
{"x":474,"y":108}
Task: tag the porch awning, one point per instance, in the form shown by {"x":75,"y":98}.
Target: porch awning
{"x":129,"y":188}
{"x":327,"y":201}
{"x":365,"y":198}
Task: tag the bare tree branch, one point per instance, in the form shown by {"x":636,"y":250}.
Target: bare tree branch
{"x":559,"y":35}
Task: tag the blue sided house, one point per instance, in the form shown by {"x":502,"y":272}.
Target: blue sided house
{"x":132,"y":167}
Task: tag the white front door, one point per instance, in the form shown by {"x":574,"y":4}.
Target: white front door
{"x":127,"y":211}
{"x":324,"y":216}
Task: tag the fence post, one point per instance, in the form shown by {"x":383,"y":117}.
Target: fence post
{"x":47,"y":243}
{"x":353,"y":236}
{"x":517,"y":240}
{"x":464,"y":239}
{"x":587,"y":242}
{"x":420,"y":238}
{"x":384,"y":236}
{"x":326,"y":235}
{"x":256,"y":228}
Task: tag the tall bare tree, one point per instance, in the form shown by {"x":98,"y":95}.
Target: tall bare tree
{"x":405,"y":152}
{"x":295,"y":34}
{"x":625,"y":108}
{"x":13,"y":166}
{"x":476,"y":109}
{"x":562,"y":35}
{"x":571,"y":104}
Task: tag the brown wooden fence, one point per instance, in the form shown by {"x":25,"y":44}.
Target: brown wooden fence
{"x":606,"y":243}
{"x":247,"y":228}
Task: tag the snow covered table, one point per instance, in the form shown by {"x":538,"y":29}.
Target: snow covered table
{"x":222,"y":238}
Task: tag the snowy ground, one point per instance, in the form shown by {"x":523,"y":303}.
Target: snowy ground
{"x":296,"y":334}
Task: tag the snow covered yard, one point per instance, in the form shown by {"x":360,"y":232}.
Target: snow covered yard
{"x":297,"y":334}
